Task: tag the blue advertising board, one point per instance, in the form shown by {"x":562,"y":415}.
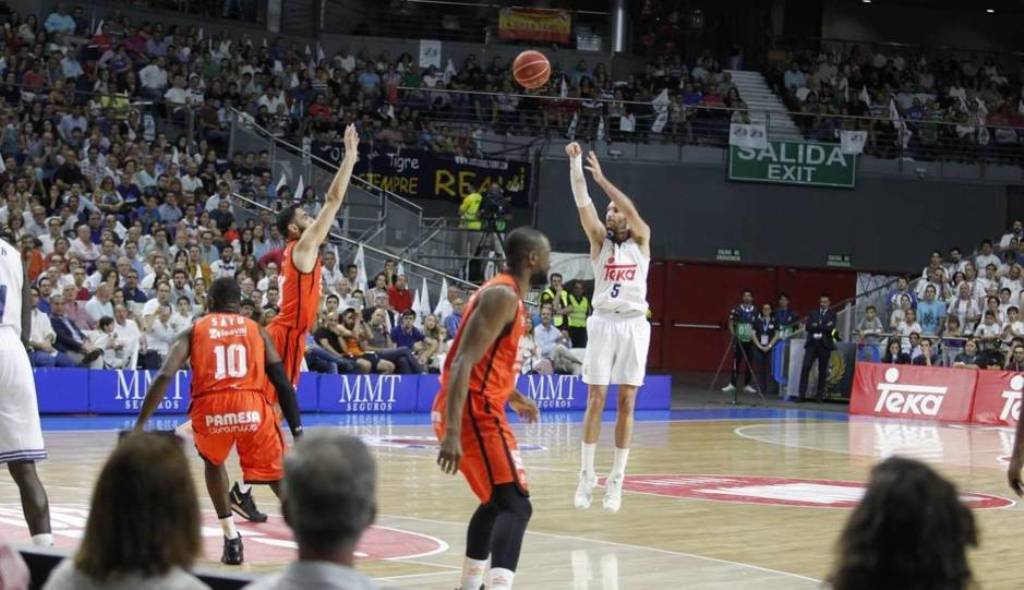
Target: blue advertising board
{"x":62,"y":391}
{"x":307,"y":390}
{"x":122,"y":392}
{"x":368,"y":393}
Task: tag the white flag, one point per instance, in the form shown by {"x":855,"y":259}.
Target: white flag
{"x":200,"y":33}
{"x":660,"y":104}
{"x":864,"y":96}
{"x":360,"y":262}
{"x":308,"y":52}
{"x":99,"y":28}
{"x":176,"y":157}
{"x":295,"y":80}
{"x":572,"y":126}
{"x":852,"y":142}
{"x":299,"y":189}
{"x":264,"y":42}
{"x":283,"y":182}
{"x":400,"y":270}
{"x":418,"y":319}
{"x":753,"y":136}
{"x":423,"y":305}
{"x":903,"y":134}
{"x":563,"y":89}
{"x":600,"y":129}
{"x":627,"y":122}
{"x":3,"y":167}
{"x":278,"y":66}
{"x":444,"y":307}
{"x":449,"y":71}
{"x":320,"y":55}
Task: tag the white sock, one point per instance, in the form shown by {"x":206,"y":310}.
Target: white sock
{"x":619,"y":463}
{"x":244,"y":488}
{"x":228,"y":526}
{"x":501,"y":578}
{"x":43,"y":540}
{"x":587,"y":458}
{"x":473,"y":571}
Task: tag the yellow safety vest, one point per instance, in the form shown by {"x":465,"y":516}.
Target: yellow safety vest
{"x":549,"y":295}
{"x":578,"y":312}
{"x":468,"y":210}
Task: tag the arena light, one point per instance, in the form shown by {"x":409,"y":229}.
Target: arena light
{"x":990,"y":10}
{"x":866,"y":1}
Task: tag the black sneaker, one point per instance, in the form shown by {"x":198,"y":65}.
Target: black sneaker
{"x":232,"y":551}
{"x":244,"y":506}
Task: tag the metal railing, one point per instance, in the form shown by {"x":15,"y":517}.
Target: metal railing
{"x":376,"y":257}
{"x":539,"y":115}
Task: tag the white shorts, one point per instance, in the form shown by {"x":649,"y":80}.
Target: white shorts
{"x":616,"y":350}
{"x":21,"y":436}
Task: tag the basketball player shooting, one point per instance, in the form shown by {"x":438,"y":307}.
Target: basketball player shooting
{"x":469,"y":418}
{"x":233,"y":358}
{"x":21,"y":435}
{"x":618,"y":334}
{"x":300,"y":288}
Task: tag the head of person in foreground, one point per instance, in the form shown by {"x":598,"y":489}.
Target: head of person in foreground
{"x":910,"y":531}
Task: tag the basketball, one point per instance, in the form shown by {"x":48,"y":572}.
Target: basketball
{"x":531,"y":69}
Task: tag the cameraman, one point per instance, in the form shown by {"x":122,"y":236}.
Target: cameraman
{"x":469,"y":210}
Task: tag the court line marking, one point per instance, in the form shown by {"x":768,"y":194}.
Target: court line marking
{"x":410,"y":576}
{"x":739,"y":432}
{"x":627,"y":546}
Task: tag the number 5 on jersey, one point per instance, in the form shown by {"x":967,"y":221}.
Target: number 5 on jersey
{"x":231,"y":361}
{"x":615,"y":290}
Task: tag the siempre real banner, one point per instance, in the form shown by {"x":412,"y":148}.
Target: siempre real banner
{"x":787,"y":162}
{"x":907,"y":391}
{"x":997,"y":398}
{"x":421,"y":174}
{"x":528,"y":24}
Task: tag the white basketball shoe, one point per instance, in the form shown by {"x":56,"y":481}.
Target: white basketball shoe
{"x":585,"y":490}
{"x":613,"y":493}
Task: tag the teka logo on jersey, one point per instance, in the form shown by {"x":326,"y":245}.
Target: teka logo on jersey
{"x":1011,"y":400}
{"x":619,"y":272}
{"x":133,"y":385}
{"x":553,"y":391}
{"x":918,"y":400}
{"x":369,"y":393}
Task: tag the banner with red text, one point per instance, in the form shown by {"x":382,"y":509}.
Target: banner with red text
{"x":907,"y":391}
{"x":997,"y":398}
{"x":527,"y":24}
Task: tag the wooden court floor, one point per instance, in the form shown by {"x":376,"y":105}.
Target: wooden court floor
{"x":745,"y":501}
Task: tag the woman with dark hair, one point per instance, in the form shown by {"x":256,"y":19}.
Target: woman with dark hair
{"x":909,"y":532}
{"x":138,"y":535}
{"x":894,"y":354}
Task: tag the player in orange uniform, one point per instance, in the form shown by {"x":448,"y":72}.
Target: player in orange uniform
{"x":300,"y":288}
{"x":478,"y":379}
{"x":232,"y":358}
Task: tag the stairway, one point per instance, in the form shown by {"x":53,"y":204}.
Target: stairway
{"x":754,"y":91}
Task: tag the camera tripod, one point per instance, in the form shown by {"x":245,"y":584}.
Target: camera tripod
{"x":732,"y":347}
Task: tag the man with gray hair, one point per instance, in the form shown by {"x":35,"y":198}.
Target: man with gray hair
{"x":330,"y":498}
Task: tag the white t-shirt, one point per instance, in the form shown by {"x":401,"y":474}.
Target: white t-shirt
{"x":97,"y":309}
{"x":67,"y":577}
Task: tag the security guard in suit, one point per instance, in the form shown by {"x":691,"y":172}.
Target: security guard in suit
{"x":820,"y":344}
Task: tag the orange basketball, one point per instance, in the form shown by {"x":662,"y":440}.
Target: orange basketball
{"x":531,"y":69}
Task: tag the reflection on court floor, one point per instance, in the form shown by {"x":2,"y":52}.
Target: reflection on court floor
{"x":714,"y":499}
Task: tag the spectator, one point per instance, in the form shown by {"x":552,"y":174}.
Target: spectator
{"x":909,"y":531}
{"x":225,"y":266}
{"x":59,"y":21}
{"x":331,"y":273}
{"x":407,"y":335}
{"x":986,"y":256}
{"x":787,"y":320}
{"x":100,"y":305}
{"x":870,"y":331}
{"x":469,"y":209}
{"x":330,"y":482}
{"x":379,"y":341}
{"x":928,"y":356}
{"x":965,"y":308}
{"x":329,"y":354}
{"x":952,"y":341}
{"x":128,"y":333}
{"x":552,"y":343}
{"x":116,"y":354}
{"x":931,"y":311}
{"x":900,"y":295}
{"x":399,"y":295}
{"x":434,"y":337}
{"x":969,"y":358}
{"x":126,"y":543}
{"x":354,"y":333}
{"x":161,"y":332}
{"x":557,"y":296}
{"x":1016,"y":231}
{"x":894,"y":354}
{"x":1016,"y":360}
{"x":452,"y":322}
{"x":988,"y":332}
{"x":42,"y":338}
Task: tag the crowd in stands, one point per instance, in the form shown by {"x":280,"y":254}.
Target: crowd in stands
{"x":963,"y":311}
{"x":961,"y":104}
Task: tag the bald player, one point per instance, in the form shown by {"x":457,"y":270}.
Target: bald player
{"x":618,"y":334}
{"x":477,"y":382}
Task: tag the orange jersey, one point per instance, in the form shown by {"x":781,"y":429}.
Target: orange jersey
{"x":300,"y":294}
{"x":227,"y":355}
{"x":494,"y":377}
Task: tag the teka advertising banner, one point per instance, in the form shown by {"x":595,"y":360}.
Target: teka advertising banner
{"x":907,"y":391}
{"x":368,"y":394}
{"x":788,"y":162}
{"x":997,"y":398}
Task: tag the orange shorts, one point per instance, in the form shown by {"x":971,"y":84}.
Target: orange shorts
{"x":291,"y":347}
{"x":241,"y":419}
{"x":490,"y":455}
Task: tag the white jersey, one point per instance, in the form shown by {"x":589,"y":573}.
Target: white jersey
{"x":12,"y":277}
{"x":620,"y":278}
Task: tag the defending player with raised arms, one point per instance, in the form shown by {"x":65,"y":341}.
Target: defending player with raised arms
{"x":232,"y":360}
{"x":618,"y":334}
{"x":477,"y":381}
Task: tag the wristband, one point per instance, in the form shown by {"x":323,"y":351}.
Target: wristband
{"x":579,"y":183}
